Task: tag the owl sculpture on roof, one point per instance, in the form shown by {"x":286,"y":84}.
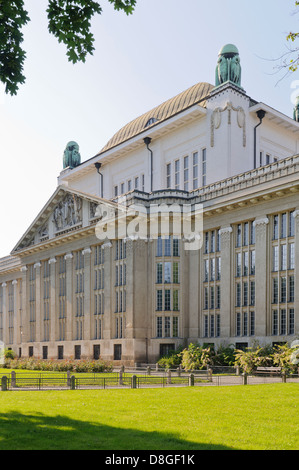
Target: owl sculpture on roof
{"x":228,"y":66}
{"x":71,"y":155}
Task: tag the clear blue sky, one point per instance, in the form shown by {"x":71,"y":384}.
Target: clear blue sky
{"x":140,"y":61}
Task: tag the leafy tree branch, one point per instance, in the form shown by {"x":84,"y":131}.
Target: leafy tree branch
{"x":68,"y":20}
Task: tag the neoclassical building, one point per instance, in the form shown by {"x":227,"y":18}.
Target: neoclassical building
{"x":86,"y":281}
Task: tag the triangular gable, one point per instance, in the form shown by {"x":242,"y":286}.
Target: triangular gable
{"x":67,"y":210}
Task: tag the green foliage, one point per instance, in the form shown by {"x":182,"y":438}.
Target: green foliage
{"x":252,"y":358}
{"x":293,"y":63}
{"x":225,"y":356}
{"x":172,"y":360}
{"x":13,"y":17}
{"x":196,"y":357}
{"x":282,"y":358}
{"x":59,"y":366}
{"x":68,"y":20}
{"x":9,"y":354}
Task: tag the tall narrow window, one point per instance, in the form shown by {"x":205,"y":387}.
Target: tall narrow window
{"x":195,"y":170}
{"x":204,"y":167}
{"x":177,"y":174}
{"x":186,"y":173}
{"x":168,"y":175}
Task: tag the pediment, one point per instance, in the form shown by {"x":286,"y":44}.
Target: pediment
{"x":66,"y":211}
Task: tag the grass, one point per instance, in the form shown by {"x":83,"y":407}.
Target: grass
{"x":260,"y":417}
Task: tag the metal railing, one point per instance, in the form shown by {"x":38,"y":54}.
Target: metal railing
{"x":122,"y":380}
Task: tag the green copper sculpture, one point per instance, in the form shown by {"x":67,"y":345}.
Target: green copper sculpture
{"x":228,"y":66}
{"x":296,"y":110}
{"x":71,"y":156}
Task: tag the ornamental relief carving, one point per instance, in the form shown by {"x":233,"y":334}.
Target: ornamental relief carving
{"x":216,"y":120}
{"x":68,"y":213}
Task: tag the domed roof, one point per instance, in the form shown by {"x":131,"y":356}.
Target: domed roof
{"x":197,"y":94}
{"x":229,"y":49}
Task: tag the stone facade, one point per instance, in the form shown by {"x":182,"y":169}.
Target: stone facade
{"x":66,"y":292}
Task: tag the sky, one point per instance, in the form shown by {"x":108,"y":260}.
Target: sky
{"x":140,"y":61}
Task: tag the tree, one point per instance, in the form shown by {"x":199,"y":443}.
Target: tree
{"x":290,"y":60}
{"x":68,"y":20}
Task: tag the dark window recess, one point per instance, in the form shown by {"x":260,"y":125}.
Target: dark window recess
{"x":30,"y":352}
{"x":242,"y":346}
{"x":117,"y":352}
{"x":96,"y":351}
{"x":77,"y":352}
{"x":45,"y":352}
{"x":166,"y":349}
{"x":60,"y":352}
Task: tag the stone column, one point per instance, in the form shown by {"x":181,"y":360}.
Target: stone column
{"x":132,"y":276}
{"x":296,"y":304}
{"x":25,"y":317}
{"x":38,"y":305}
{"x":87,"y":293}
{"x":16,"y":309}
{"x":194,"y":288}
{"x":108,"y":294}
{"x":226,"y":288}
{"x":5,"y":314}
{"x":261,"y":278}
{"x":52,"y":263}
{"x":69,"y":296}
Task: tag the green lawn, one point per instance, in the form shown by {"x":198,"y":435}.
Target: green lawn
{"x":238,"y":417}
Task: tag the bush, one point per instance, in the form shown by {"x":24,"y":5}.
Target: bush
{"x":282,"y":358}
{"x":171,"y":360}
{"x":196,"y":357}
{"x":9,"y":354}
{"x":225,"y":356}
{"x":59,"y":366}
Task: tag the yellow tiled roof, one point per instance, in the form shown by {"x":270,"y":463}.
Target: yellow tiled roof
{"x":197,"y":94}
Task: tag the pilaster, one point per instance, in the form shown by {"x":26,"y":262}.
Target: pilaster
{"x":16,"y":309}
{"x":69,"y":296}
{"x":38,"y":307}
{"x":52,"y":263}
{"x":296,"y":305}
{"x":25,"y":317}
{"x":108,"y":294}
{"x":261,"y":279}
{"x":227,"y":314}
{"x":5,"y":314}
{"x":87,"y":293}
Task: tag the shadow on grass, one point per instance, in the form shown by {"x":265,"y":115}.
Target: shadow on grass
{"x":41,"y":432}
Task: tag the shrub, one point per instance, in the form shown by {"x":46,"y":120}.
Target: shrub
{"x":225,"y":356}
{"x":252,"y":358}
{"x":171,"y":360}
{"x":196,"y":357}
{"x":59,"y":366}
{"x":282,"y":358}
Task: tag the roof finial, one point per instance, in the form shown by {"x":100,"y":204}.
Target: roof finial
{"x":228,"y":66}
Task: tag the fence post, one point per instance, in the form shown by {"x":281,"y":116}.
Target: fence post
{"x":244,"y":377}
{"x":68,"y":378}
{"x":148,"y":370}
{"x":4,"y":383}
{"x":13,"y":378}
{"x":169,"y":376}
{"x":134,"y":381}
{"x":284,"y":376}
{"x":210,"y":373}
{"x":121,"y":377}
{"x":73,"y":382}
{"x":238,"y":370}
{"x":157,"y":366}
{"x":191,"y":380}
{"x":179,"y":371}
